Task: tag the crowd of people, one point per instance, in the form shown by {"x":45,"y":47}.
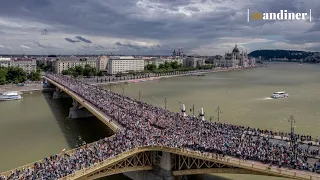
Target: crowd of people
{"x":144,"y":125}
{"x":123,"y":77}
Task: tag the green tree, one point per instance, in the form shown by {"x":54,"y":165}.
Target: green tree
{"x":150,"y":67}
{"x":79,"y":70}
{"x":174,"y":65}
{"x":99,"y":73}
{"x":16,"y":75}
{"x":66,"y":72}
{"x":88,"y":70}
{"x":161,"y":66}
{"x":167,"y":65}
{"x":3,"y":73}
{"x":35,"y":76}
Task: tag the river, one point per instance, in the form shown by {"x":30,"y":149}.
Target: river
{"x":37,"y":126}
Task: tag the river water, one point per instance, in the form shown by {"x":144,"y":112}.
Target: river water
{"x":36,"y":126}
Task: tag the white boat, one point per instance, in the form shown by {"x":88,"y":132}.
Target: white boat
{"x":280,"y":94}
{"x":12,"y":95}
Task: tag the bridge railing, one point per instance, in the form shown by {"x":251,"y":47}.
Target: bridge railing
{"x":250,"y":165}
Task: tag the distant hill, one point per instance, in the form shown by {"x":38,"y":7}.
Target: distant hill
{"x":267,"y":54}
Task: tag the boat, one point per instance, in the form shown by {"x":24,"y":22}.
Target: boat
{"x":280,"y":94}
{"x":12,"y":95}
{"x":200,"y":74}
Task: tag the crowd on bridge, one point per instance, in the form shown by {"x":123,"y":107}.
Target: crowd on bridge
{"x":143,"y":124}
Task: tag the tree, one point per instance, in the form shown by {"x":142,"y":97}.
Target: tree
{"x":161,"y":66}
{"x":100,"y":73}
{"x":65,"y":72}
{"x":150,"y":67}
{"x":3,"y":73}
{"x":167,"y":65}
{"x":35,"y":76}
{"x":79,"y":70}
{"x":88,"y":70}
{"x":16,"y":75}
{"x":174,"y":65}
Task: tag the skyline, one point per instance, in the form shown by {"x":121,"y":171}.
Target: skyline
{"x":204,"y":27}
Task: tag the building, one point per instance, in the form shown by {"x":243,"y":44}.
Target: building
{"x":27,"y":64}
{"x":65,"y":63}
{"x":232,"y":60}
{"x":102,"y":63}
{"x":161,"y":60}
{"x":194,"y":61}
{"x":5,"y":62}
{"x":124,"y":64}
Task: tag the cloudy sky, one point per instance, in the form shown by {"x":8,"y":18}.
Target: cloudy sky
{"x":204,"y":27}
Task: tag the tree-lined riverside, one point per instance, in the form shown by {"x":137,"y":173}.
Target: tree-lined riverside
{"x":226,"y":90}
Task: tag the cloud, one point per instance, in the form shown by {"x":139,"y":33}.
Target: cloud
{"x":197,"y":26}
{"x":25,"y":47}
{"x":83,"y":39}
{"x":1,"y":46}
{"x":71,"y":40}
{"x":47,"y":46}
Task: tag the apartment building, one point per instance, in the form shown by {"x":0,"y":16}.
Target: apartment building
{"x":5,"y":62}
{"x":102,"y":63}
{"x":124,"y":64}
{"x":27,"y":64}
{"x":65,"y":63}
{"x":161,"y":60}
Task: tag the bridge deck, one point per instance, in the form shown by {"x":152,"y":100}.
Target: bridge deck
{"x":114,"y":126}
{"x":231,"y":161}
{"x":227,"y":160}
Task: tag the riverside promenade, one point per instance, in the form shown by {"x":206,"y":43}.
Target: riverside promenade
{"x":146,"y":128}
{"x":154,"y":76}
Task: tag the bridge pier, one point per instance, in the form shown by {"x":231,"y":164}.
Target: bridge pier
{"x":162,"y":168}
{"x":78,"y":111}
{"x":58,"y":94}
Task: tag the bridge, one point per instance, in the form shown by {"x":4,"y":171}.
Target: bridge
{"x":132,"y":151}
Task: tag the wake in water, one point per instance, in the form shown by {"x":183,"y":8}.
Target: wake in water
{"x":265,"y":98}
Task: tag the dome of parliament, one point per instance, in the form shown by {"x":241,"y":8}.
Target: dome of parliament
{"x":235,"y":49}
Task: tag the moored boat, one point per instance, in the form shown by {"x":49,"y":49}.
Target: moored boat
{"x":8,"y":96}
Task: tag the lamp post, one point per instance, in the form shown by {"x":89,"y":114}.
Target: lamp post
{"x":291,"y":120}
{"x":292,"y":138}
{"x":122,"y":90}
{"x":139,"y":94}
{"x":218,"y":112}
{"x":193,"y":110}
{"x":211,"y":118}
{"x":165,"y":103}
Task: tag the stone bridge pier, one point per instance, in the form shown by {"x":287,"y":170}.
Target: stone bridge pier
{"x":162,"y":168}
{"x":58,"y":94}
{"x":78,"y":111}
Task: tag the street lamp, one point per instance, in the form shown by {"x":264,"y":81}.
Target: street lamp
{"x":139,"y":94}
{"x":218,"y":111}
{"x":122,"y":90}
{"x":165,"y":103}
{"x":291,"y":120}
{"x":211,"y":118}
{"x":292,"y":138}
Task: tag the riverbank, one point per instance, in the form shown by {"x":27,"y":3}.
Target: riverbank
{"x":27,"y":88}
{"x":192,"y":73}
